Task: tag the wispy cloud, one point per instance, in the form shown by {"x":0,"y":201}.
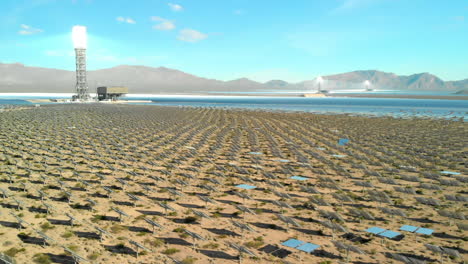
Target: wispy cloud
{"x":315,"y":43}
{"x":348,"y":5}
{"x":459,"y":18}
{"x":29,"y":30}
{"x":76,"y":1}
{"x":126,"y":20}
{"x":113,"y":58}
{"x":58,"y":53}
{"x":190,"y":35}
{"x":175,"y":7}
{"x":106,"y":58}
{"x":53,"y":53}
{"x":11,"y":17}
{"x":164,"y":24}
{"x":239,"y":12}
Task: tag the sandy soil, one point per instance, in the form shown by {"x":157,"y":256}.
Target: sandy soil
{"x":138,"y":158}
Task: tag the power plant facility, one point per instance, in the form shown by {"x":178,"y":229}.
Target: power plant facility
{"x":112,"y":93}
{"x":320,"y":89}
{"x":80,"y":43}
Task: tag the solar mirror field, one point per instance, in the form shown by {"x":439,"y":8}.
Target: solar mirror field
{"x":116,"y":183}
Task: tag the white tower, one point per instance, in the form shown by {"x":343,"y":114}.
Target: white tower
{"x":319,"y":84}
{"x":367,"y":84}
{"x":79,"y":43}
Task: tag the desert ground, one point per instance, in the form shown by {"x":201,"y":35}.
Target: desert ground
{"x":115,"y":183}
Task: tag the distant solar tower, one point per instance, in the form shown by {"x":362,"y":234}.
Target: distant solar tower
{"x":319,"y":84}
{"x":79,"y":43}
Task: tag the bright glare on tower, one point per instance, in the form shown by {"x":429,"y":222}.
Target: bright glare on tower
{"x":319,"y":84}
{"x":79,"y":37}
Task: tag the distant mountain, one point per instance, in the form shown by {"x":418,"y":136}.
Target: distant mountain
{"x":277,"y":84}
{"x":243,"y":84}
{"x":385,"y":80}
{"x":142,"y":79}
{"x":17,"y":77}
{"x":462,"y":85}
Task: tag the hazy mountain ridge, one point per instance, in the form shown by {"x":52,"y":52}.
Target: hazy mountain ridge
{"x":461,"y":85}
{"x":17,"y":77}
{"x":391,"y":81}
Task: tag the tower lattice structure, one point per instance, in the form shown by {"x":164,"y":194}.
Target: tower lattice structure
{"x":81,"y":81}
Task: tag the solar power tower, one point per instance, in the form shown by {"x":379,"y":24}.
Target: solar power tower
{"x":319,"y":84}
{"x":79,"y":43}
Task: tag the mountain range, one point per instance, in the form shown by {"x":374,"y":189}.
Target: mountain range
{"x":18,"y":78}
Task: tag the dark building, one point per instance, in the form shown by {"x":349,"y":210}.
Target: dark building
{"x":111,"y":93}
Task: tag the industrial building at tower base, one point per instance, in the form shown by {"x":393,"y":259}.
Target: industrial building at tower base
{"x":111,"y":93}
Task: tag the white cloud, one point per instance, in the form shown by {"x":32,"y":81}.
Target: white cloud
{"x":348,"y":5}
{"x":164,"y":24}
{"x":28,"y":30}
{"x":103,"y":56}
{"x":190,"y":35}
{"x":238,"y":12}
{"x":59,"y":53}
{"x":175,"y":7}
{"x":53,"y":53}
{"x":133,"y":60}
{"x":106,"y":58}
{"x":156,"y":18}
{"x":126,"y":20}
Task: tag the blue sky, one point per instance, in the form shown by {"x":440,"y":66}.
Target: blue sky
{"x":228,"y":39}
